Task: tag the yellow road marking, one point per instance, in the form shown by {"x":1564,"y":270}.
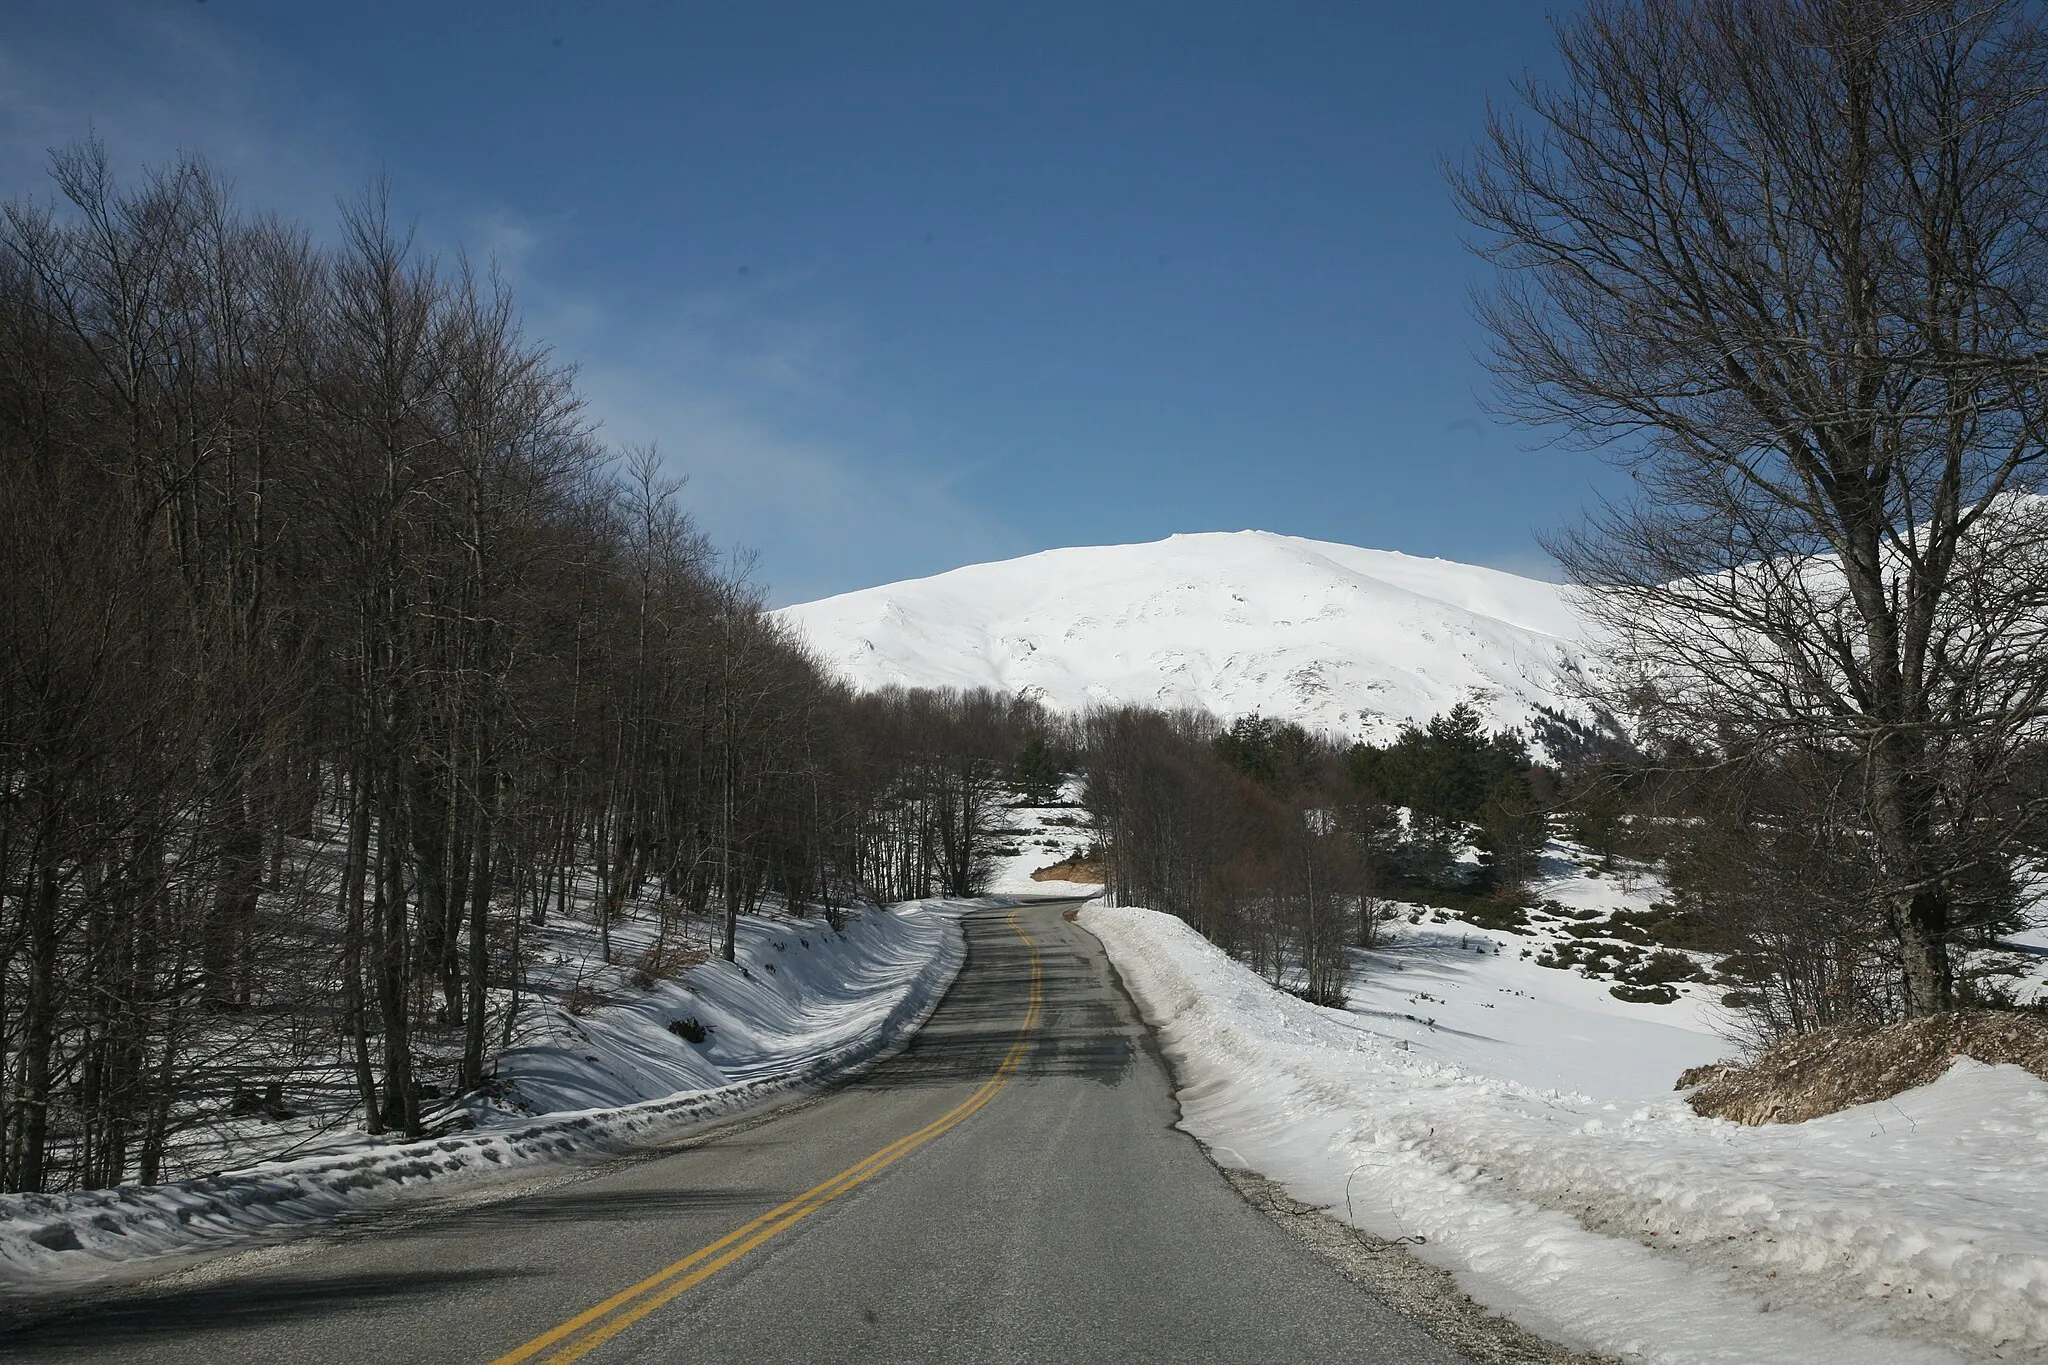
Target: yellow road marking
{"x":595,"y":1326}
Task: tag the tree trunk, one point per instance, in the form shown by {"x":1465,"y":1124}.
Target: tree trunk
{"x":39,"y":1023}
{"x":479,"y":935}
{"x":400,"y":1105}
{"x":354,"y":1021}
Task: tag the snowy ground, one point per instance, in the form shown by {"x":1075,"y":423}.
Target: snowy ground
{"x":1482,"y":999}
{"x":802,"y":1004}
{"x":1531,"y":1137}
{"x":2023,"y":969}
{"x":1470,"y":998}
{"x":1037,"y":837}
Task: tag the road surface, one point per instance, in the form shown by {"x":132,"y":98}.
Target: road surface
{"x":1010,"y":1188}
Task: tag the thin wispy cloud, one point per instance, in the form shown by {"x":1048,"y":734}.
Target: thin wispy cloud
{"x":732,"y":383}
{"x":157,"y":84}
{"x":832,"y":515}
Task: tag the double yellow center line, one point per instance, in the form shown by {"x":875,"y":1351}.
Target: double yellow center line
{"x":588,"y":1330}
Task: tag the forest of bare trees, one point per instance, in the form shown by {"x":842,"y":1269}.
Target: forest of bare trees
{"x":335,"y":648}
{"x":1258,"y":834}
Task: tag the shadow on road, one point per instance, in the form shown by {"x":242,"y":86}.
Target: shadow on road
{"x":578,"y":1204}
{"x":242,"y":1304}
{"x":975,"y":1028}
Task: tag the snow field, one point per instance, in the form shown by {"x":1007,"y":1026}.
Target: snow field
{"x":802,"y":1005}
{"x":1914,"y":1230}
{"x":1478,"y":998}
{"x":1468,"y":997}
{"x":1043,"y":836}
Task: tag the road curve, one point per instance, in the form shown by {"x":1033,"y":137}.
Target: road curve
{"x":1010,"y":1188}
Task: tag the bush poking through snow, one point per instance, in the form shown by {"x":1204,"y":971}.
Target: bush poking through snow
{"x":1645,"y":978}
{"x":1644,"y":995}
{"x":1850,"y":1064}
{"x":581,"y":998}
{"x":663,"y":961}
{"x":1491,"y":912}
{"x":690,"y":1030}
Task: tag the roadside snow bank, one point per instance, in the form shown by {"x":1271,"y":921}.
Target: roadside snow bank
{"x":1911,"y":1230}
{"x":802,"y":1005}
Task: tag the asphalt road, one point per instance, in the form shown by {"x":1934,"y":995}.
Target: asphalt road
{"x":1009,"y":1188}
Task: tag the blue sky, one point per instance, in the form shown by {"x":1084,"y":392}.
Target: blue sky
{"x":900,"y":287}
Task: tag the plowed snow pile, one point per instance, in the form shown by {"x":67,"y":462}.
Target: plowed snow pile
{"x":1914,"y":1229}
{"x":801,"y":1005}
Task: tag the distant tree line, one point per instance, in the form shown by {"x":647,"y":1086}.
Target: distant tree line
{"x":335,"y":648}
{"x":1283,"y":847}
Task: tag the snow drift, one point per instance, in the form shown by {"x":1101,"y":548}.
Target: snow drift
{"x":1352,"y":641}
{"x":1910,"y":1230}
{"x":802,"y":1005}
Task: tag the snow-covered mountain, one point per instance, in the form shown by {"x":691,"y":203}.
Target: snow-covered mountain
{"x":1341,"y":639}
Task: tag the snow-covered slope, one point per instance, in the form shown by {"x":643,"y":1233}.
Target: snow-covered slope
{"x":1913,"y":1231}
{"x":803,"y":1004}
{"x":1341,"y":639}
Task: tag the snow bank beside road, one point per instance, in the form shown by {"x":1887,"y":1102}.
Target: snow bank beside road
{"x":1914,"y":1230}
{"x":801,"y":1006}
{"x":799,"y":997}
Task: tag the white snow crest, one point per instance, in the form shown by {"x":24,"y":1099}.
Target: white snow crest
{"x":813,"y":1017}
{"x":1913,"y":1230}
{"x":1351,"y":641}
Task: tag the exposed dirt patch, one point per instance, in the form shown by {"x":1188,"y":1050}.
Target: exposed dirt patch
{"x":1072,"y":870}
{"x":1837,"y":1068}
{"x":1418,"y":1291}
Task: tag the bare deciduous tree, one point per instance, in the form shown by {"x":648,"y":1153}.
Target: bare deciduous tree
{"x":1789,"y":256}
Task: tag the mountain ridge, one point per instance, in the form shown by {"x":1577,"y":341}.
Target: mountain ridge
{"x":1348,"y":640}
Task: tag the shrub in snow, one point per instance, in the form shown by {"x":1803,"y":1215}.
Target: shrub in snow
{"x":1850,"y":1064}
{"x":1644,"y":995}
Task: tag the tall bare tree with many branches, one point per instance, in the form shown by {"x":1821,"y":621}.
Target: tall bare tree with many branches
{"x":1789,"y":258}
